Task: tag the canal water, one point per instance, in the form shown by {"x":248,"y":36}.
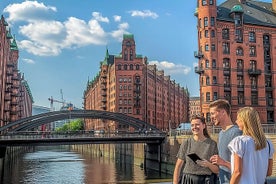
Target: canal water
{"x":59,"y":165}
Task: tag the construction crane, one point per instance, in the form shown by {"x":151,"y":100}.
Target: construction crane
{"x":52,"y":100}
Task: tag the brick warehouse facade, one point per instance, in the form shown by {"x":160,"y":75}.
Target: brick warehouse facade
{"x":236,"y":49}
{"x":15,"y":95}
{"x":127,"y":84}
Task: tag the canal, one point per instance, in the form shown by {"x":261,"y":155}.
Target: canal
{"x":60,"y":165}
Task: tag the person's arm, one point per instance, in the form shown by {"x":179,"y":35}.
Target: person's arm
{"x":215,"y":159}
{"x":205,"y":163}
{"x":237,"y":170}
{"x":178,"y":166}
{"x":270,"y":166}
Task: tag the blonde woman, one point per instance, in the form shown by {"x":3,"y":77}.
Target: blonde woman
{"x":197,"y":170}
{"x":252,"y":153}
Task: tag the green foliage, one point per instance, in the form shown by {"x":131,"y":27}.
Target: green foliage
{"x":74,"y":125}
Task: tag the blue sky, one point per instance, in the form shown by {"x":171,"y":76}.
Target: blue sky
{"x":61,"y":42}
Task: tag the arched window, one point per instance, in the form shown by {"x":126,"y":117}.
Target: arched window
{"x":125,"y":55}
{"x":119,"y":66}
{"x":125,"y":66}
{"x":239,"y":51}
{"x":137,"y":67}
{"x":131,"y":66}
{"x":131,"y":55}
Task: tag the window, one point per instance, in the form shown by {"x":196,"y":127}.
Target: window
{"x":206,"y":33}
{"x":268,"y":82}
{"x":226,"y":48}
{"x":125,"y":55}
{"x":205,"y":21}
{"x":204,"y":2}
{"x":131,"y":66}
{"x":253,"y":65}
{"x":131,"y":55}
{"x":239,"y":36}
{"x":214,"y":63}
{"x":240,"y":81}
{"x":214,"y":80}
{"x":253,"y":82}
{"x":252,"y":50}
{"x":212,"y":21}
{"x":227,"y":96}
{"x":208,"y":97}
{"x":119,"y":66}
{"x":206,"y":47}
{"x":266,"y":39}
{"x":252,"y":37}
{"x":240,"y":65}
{"x":211,"y":2}
{"x":207,"y":81}
{"x":226,"y":81}
{"x":225,"y":34}
{"x":199,"y":23}
{"x":238,"y":20}
{"x":207,"y":64}
{"x":254,"y":98}
{"x":215,"y":97}
{"x":226,"y":63}
{"x":240,"y":98}
{"x":213,"y":47}
{"x":125,"y":67}
{"x":239,"y":51}
{"x":213,"y":33}
{"x":137,"y":67}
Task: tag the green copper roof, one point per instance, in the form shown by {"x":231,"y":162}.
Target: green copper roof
{"x":13,"y":44}
{"x":237,"y":8}
{"x":9,"y":36}
{"x":130,"y":36}
{"x":104,"y":62}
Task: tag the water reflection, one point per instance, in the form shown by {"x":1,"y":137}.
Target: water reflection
{"x":61,"y":166}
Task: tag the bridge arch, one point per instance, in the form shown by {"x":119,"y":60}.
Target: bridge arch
{"x":45,"y":118}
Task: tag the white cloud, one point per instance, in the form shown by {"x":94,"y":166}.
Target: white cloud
{"x":143,"y":14}
{"x":171,"y":68}
{"x":30,"y":61}
{"x":117,"y":18}
{"x":28,"y":11}
{"x":97,"y":16}
{"x":122,"y":29}
{"x":44,"y":36}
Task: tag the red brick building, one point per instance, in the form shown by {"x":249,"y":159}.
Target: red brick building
{"x":194,"y":106}
{"x":127,"y":84}
{"x":15,"y":95}
{"x":236,"y":49}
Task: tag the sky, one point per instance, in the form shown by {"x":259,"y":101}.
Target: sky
{"x":62,"y":42}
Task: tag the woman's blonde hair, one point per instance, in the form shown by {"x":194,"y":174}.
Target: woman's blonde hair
{"x":252,"y":126}
{"x":202,"y":119}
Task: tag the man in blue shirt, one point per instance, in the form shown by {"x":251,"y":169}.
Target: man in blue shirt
{"x":220,"y":111}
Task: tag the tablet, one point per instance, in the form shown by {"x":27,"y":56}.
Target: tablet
{"x":194,"y":157}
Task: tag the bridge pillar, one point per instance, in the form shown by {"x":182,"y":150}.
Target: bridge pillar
{"x":3,"y":151}
{"x":153,"y":157}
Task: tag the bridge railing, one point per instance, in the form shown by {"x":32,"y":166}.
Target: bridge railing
{"x":75,"y":134}
{"x":268,"y":129}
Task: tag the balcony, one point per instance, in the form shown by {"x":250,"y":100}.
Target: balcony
{"x":198,"y":54}
{"x":227,"y":87}
{"x":226,"y":71}
{"x":254,"y":72}
{"x":199,"y":70}
{"x":240,"y":87}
